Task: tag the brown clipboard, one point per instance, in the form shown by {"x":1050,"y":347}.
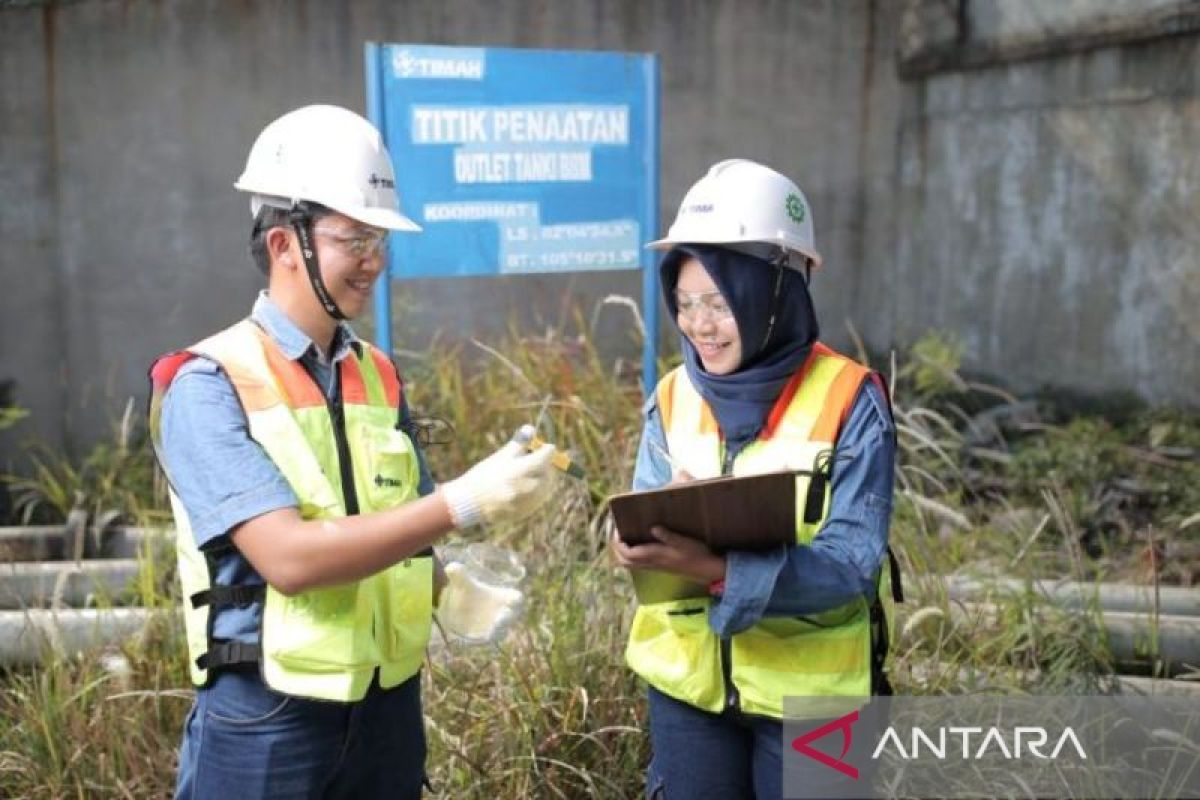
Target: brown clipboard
{"x":754,"y":512}
{"x":750,"y":513}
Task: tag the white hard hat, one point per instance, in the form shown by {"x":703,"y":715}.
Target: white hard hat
{"x":327,"y":155}
{"x":741,"y":202}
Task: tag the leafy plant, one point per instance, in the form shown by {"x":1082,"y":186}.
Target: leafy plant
{"x":118,"y":477}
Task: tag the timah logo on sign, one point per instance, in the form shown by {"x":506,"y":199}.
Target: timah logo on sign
{"x":439,"y":63}
{"x":801,"y":744}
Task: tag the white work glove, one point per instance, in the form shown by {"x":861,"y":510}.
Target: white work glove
{"x":507,"y":486}
{"x":474,"y":612}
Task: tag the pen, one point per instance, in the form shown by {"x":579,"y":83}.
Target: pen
{"x":675,"y":467}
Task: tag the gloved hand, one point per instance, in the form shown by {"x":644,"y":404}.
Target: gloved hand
{"x":508,"y":485}
{"x":475,"y":612}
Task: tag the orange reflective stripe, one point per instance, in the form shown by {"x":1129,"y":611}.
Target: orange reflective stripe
{"x":838,"y":401}
{"x":298,"y":387}
{"x":666,"y":397}
{"x":387,"y":374}
{"x":354,"y":391}
{"x":254,"y":393}
{"x":820,"y":349}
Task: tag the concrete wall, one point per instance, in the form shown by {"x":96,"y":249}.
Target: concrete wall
{"x":1047,"y":195}
{"x":1042,"y":204}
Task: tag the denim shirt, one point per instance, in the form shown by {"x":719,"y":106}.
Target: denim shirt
{"x":845,"y":556}
{"x":221,"y":475}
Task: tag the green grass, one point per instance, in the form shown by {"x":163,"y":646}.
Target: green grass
{"x":552,"y":711}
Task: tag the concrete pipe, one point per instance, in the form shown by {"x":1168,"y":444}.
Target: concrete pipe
{"x":923,"y":675}
{"x":1171,"y":600}
{"x":50,"y":542}
{"x":1171,"y":642}
{"x":43,"y":584}
{"x":35,"y":635}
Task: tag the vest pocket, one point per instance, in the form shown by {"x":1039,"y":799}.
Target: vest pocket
{"x":783,"y":656}
{"x":407,"y":609}
{"x":672,"y":647}
{"x":322,"y":630}
{"x":391,"y":471}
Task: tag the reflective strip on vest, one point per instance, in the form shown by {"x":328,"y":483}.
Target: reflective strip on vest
{"x":325,"y":643}
{"x":671,"y":644}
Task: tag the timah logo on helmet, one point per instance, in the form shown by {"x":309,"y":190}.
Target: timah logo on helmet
{"x":375,"y":181}
{"x":802,"y":744}
{"x":390,"y":483}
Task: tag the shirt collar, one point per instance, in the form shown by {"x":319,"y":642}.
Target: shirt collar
{"x":294,"y":342}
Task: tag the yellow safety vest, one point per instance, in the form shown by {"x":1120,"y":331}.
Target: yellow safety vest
{"x":325,"y":643}
{"x":671,"y":644}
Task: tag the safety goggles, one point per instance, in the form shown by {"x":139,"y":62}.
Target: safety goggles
{"x":692,"y":305}
{"x":358,"y":243}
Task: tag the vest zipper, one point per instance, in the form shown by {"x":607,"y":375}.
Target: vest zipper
{"x":733,"y":699}
{"x":345,"y":465}
{"x":337,"y":416}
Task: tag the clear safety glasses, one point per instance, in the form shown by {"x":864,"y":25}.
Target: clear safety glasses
{"x":358,"y":243}
{"x":693,"y":305}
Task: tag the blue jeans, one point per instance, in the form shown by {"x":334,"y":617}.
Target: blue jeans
{"x":244,"y":740}
{"x":701,"y":756}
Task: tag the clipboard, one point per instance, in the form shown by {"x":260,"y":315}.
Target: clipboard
{"x":755,"y":512}
{"x":748,"y":513}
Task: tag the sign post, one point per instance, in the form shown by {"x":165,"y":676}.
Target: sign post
{"x":520,"y":161}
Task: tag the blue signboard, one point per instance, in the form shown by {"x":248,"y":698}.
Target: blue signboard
{"x":519,"y":161}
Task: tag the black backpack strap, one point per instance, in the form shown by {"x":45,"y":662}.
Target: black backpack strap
{"x":814,"y":499}
{"x":894,"y":569}
{"x":225,"y":654}
{"x":880,"y":642}
{"x":880,"y":634}
{"x":229,"y":595}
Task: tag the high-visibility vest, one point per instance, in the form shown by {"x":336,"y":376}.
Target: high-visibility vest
{"x":339,"y":457}
{"x":827,"y":654}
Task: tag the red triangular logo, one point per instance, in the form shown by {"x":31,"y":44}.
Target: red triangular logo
{"x":801,"y":744}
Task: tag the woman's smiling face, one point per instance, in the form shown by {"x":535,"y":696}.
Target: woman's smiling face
{"x":706,"y":319}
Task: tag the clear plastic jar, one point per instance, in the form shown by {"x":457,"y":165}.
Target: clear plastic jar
{"x":481,"y":599}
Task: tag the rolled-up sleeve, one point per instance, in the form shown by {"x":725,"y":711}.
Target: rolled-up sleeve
{"x":221,"y":475}
{"x":845,"y":556}
{"x":651,"y":470}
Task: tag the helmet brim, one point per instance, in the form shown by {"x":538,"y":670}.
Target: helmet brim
{"x":668,"y":243}
{"x":384,"y":218}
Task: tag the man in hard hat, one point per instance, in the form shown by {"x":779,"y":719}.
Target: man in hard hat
{"x":758,"y":392}
{"x":304,"y":510}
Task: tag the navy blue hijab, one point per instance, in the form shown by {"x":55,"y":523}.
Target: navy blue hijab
{"x":742,"y":400}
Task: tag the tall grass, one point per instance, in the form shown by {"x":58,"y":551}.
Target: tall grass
{"x":550,"y":712}
{"x":987,"y":485}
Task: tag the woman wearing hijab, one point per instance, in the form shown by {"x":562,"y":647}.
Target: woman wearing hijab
{"x":758,"y":392}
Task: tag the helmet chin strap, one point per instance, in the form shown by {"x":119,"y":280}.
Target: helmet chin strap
{"x":780,"y":263}
{"x":301,"y":219}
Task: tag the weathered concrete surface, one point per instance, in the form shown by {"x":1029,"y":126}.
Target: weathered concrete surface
{"x":937,"y":35}
{"x":1041,"y":208}
{"x":1047,"y":212}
